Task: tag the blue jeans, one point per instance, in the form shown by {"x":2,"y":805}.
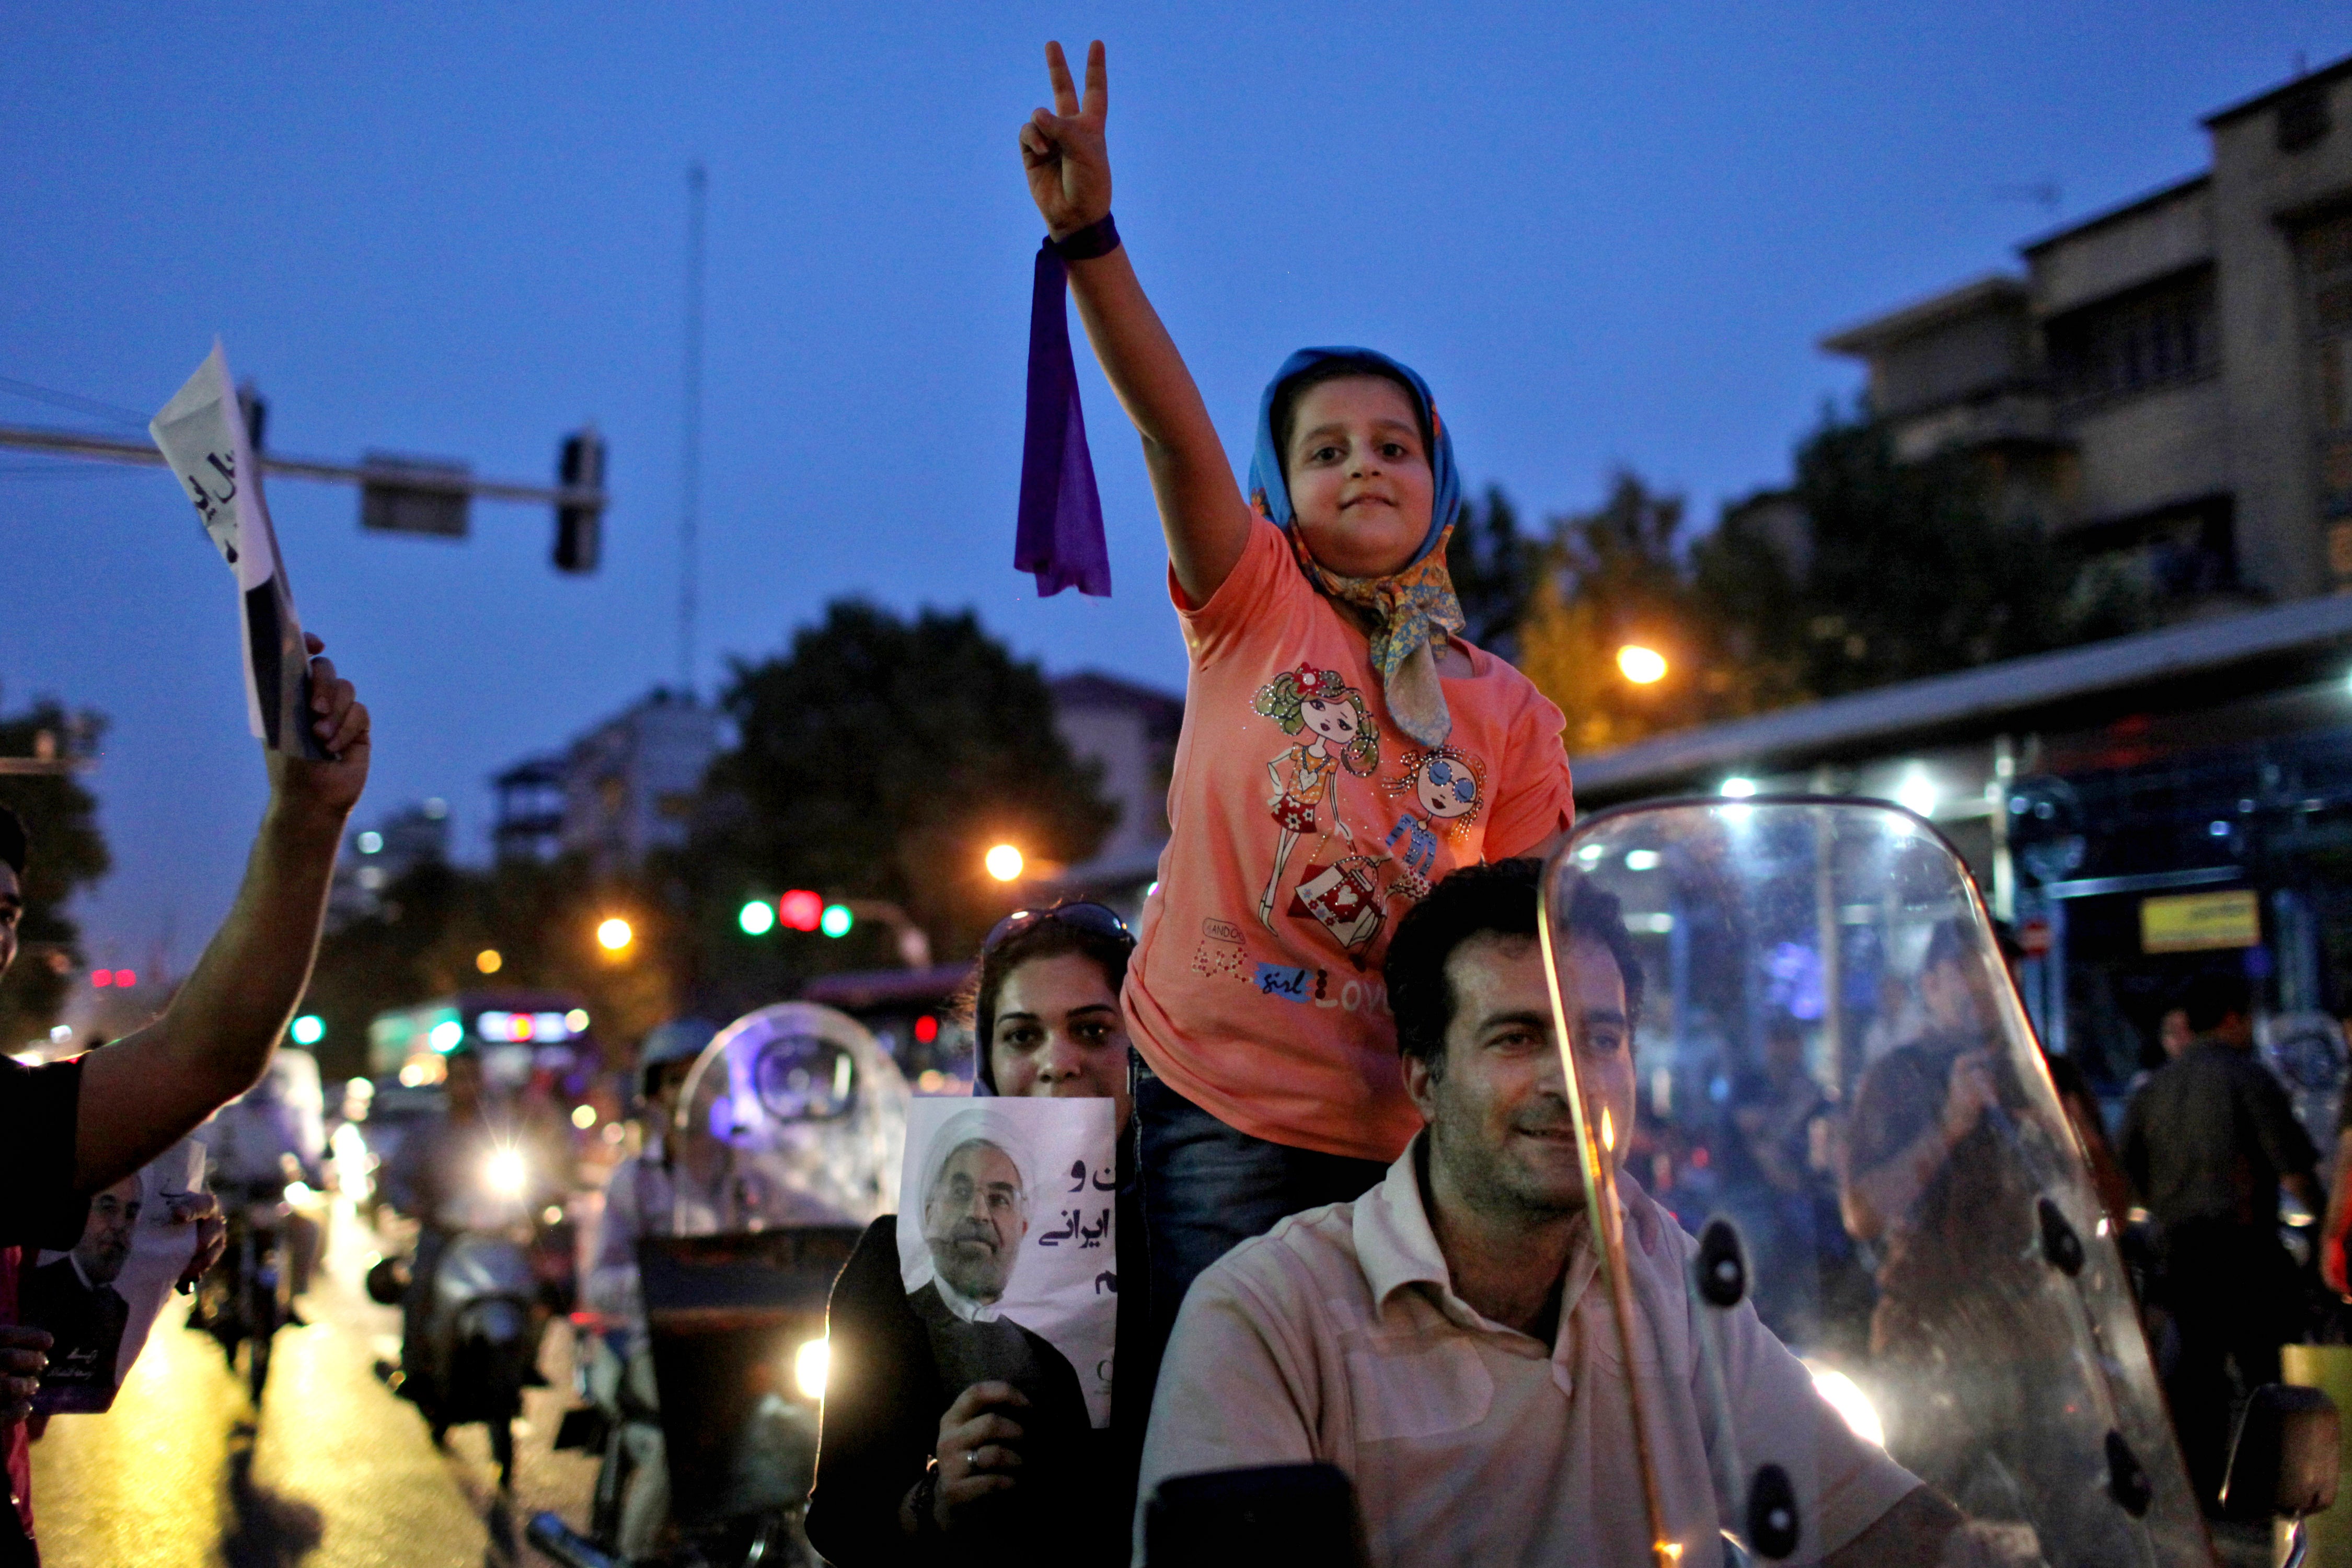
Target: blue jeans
{"x":1208,"y":1187}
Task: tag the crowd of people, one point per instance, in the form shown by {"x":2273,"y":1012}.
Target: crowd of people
{"x":1351,"y":1211}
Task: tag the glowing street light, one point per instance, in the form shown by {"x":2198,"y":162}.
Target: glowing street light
{"x":309,"y":1029}
{"x":1641,"y":665}
{"x":489,"y":960}
{"x":757,"y":918}
{"x":1004,"y":863}
{"x":613,"y":935}
{"x":837,"y":920}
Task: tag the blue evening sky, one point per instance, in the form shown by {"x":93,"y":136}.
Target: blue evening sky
{"x":1608,"y":234}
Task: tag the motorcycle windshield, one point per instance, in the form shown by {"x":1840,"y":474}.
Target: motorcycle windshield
{"x":1833,"y":1091}
{"x":799,"y":1117}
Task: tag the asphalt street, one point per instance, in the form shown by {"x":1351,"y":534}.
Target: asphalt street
{"x":334,"y":1471}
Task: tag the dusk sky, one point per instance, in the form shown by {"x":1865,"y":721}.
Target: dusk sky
{"x":1607,"y":235}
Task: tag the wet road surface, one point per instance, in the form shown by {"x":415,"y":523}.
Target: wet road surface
{"x":334,"y":1472}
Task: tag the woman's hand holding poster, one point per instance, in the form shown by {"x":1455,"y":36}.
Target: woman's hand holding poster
{"x":1005,"y":1246}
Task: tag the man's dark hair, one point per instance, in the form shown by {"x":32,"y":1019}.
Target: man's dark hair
{"x":13,"y":845}
{"x":2210,"y":998}
{"x":1344,"y":367}
{"x":1501,"y":900}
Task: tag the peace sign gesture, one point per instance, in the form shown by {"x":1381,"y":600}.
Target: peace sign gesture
{"x":1069,"y":169}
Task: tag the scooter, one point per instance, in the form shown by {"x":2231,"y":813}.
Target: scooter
{"x":247,"y":1296}
{"x":484,"y":1315}
{"x":739,"y":1350}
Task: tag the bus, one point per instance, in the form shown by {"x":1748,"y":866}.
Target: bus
{"x":515,"y":1031}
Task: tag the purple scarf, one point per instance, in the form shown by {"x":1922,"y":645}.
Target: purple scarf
{"x":1060,"y":538}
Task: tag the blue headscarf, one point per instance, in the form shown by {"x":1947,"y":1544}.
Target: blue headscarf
{"x":1413,"y":607}
{"x":1271,"y":490}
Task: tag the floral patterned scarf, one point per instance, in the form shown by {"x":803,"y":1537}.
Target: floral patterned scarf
{"x":1406,"y":615}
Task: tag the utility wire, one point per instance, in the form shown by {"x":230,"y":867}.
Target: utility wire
{"x":90,"y":405}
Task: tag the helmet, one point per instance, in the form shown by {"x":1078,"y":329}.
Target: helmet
{"x":679,"y":1040}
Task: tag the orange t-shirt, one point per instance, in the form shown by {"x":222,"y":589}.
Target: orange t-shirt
{"x":1303,"y":823}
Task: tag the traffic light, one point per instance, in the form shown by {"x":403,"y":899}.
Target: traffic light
{"x":580,"y":528}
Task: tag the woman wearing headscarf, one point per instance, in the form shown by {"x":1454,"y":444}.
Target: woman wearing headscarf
{"x":947,"y":1430}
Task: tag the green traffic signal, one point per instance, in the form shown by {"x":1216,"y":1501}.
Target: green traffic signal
{"x":757,"y":918}
{"x":836,"y":920}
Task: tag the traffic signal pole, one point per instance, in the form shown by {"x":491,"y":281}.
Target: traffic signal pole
{"x":384,"y":477}
{"x":108,"y":449}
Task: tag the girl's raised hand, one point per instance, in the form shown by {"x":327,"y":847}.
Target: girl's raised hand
{"x":1069,"y":169}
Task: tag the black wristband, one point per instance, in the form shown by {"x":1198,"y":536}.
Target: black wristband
{"x":1099,"y":238}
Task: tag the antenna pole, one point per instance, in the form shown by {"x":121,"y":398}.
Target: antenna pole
{"x":691,"y":470}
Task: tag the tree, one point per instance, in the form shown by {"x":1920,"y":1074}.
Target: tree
{"x":68,"y":852}
{"x":1871,"y":569}
{"x":1493,"y":570}
{"x":1616,"y":576}
{"x":879,"y":758}
{"x":432,"y":924}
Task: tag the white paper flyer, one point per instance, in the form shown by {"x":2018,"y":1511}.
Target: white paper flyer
{"x":1005,"y":1210}
{"x":202,"y":436}
{"x":100,"y":1300}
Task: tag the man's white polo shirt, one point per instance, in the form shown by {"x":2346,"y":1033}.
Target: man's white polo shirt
{"x":1337,"y":1337}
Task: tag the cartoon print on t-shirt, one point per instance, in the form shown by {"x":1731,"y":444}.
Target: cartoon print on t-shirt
{"x":1449,"y":786}
{"x":1318,"y":703}
{"x":1346,"y":900}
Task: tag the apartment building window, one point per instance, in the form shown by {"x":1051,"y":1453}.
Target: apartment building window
{"x":2159,"y":335}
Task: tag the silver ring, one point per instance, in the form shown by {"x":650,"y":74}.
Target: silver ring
{"x":971,"y":1459}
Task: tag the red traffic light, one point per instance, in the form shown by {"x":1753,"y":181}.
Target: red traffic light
{"x":927,"y":1029}
{"x":800,"y":910}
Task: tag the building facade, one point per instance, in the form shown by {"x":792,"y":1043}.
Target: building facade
{"x":1129,"y":733}
{"x":2169,"y":384}
{"x":618,"y":793}
{"x":374,"y":858}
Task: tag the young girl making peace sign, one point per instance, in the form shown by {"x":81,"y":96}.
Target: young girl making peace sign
{"x":1269,"y":1081}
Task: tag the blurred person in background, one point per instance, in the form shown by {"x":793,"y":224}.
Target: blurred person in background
{"x":440,"y":1172}
{"x":1943,"y":1138}
{"x":2174,"y":1034}
{"x":910,"y":1466}
{"x":71,"y":1129}
{"x":263,"y":1140}
{"x":641,"y":1200}
{"x":2208,"y":1141}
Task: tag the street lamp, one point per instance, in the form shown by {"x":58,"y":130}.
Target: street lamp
{"x":489,"y":960}
{"x":614,"y":935}
{"x":1004,"y":863}
{"x":1641,"y":665}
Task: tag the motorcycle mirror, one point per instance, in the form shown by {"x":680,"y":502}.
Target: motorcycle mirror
{"x":2284,"y":1457}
